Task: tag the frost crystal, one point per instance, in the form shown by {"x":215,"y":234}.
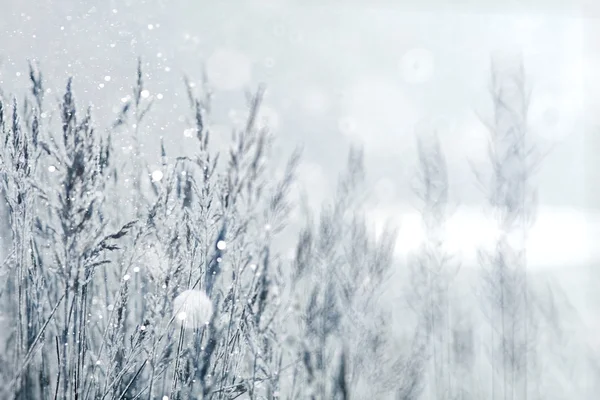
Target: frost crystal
{"x":193,"y":307}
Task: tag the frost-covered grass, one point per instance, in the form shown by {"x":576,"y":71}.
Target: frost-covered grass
{"x":126,"y":281}
{"x":123,"y":282}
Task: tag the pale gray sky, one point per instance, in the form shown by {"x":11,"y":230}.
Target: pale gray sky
{"x":337,"y":72}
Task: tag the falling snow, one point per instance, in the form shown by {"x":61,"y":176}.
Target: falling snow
{"x":161,"y":239}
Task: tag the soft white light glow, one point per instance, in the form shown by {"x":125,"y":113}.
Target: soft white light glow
{"x":157,"y":175}
{"x":559,"y":238}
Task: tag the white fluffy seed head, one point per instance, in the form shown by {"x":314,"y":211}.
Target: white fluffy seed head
{"x":193,"y":308}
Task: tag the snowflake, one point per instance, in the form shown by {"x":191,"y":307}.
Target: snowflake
{"x":157,"y":176}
